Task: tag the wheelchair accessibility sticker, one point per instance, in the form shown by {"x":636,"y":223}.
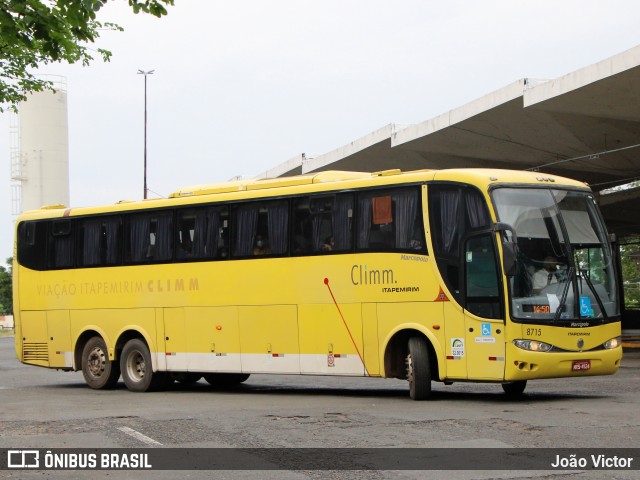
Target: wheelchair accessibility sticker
{"x":485,"y":331}
{"x":585,"y":307}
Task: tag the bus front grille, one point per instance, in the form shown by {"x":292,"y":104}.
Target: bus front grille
{"x":35,"y":351}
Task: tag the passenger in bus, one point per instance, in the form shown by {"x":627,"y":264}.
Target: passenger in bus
{"x":327,"y":245}
{"x":185,"y":250}
{"x":260,"y":247}
{"x":301,"y":244}
{"x":547,"y":275}
{"x":382,"y":237}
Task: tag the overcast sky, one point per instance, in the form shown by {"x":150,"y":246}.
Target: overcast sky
{"x":242,"y":86}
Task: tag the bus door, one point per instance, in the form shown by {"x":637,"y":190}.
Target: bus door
{"x":464,"y":247}
{"x":483,"y":312}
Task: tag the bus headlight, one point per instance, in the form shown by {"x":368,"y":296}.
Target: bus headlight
{"x":533,"y":345}
{"x":613,"y":343}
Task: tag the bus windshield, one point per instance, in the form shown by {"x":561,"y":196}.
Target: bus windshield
{"x":565,"y":266}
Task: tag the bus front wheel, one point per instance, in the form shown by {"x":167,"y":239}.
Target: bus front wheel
{"x":418,"y":369}
{"x":514,"y":389}
{"x":99,"y":372}
{"x":136,"y":367}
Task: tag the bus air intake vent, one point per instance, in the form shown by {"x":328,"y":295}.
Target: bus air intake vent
{"x":35,"y":351}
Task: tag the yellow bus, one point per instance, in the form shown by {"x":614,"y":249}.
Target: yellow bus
{"x":433,"y":275}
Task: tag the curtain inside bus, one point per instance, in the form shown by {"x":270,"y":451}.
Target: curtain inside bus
{"x":454,"y":212}
{"x":277,"y":226}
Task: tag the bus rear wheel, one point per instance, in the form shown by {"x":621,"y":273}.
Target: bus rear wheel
{"x":225,"y":379}
{"x":418,"y":369}
{"x":136,"y":367}
{"x":99,"y":372}
{"x":514,"y":389}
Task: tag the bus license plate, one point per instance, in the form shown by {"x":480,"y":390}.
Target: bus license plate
{"x":581,"y":365}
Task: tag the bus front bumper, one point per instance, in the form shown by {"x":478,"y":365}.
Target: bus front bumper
{"x":526,"y":365}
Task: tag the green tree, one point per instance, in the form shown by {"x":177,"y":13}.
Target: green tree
{"x":630,"y":261}
{"x":38,"y":32}
{"x":6,"y":291}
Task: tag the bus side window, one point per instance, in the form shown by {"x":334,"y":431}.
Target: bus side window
{"x":454,"y":212}
{"x":390,"y":220}
{"x":224,"y":242}
{"x":200,"y":233}
{"x":100,"y":241}
{"x":303,"y":229}
{"x":32,"y":241}
{"x":320,"y":214}
{"x":62,"y":244}
{"x":482,"y":297}
{"x":185,"y":230}
{"x":150,"y":237}
{"x":112,"y":241}
{"x":323,"y":224}
{"x":245,"y":224}
{"x":261,"y":229}
{"x":91,"y":233}
{"x":342,"y":222}
{"x":277,"y":227}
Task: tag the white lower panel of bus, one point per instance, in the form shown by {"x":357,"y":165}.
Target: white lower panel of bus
{"x":68,"y":359}
{"x":203,"y":362}
{"x":331,"y":364}
{"x":270,"y":363}
{"x":322,"y":364}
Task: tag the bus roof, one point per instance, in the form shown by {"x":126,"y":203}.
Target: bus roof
{"x":264,"y":183}
{"x":320,"y":181}
{"x":471,"y":175}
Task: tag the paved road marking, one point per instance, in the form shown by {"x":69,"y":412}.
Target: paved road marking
{"x":138,"y":436}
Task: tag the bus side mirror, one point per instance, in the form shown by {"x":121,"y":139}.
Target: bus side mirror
{"x":509,"y":249}
{"x":510,"y":258}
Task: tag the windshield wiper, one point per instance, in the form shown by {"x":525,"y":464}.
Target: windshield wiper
{"x":565,"y":292}
{"x":583,"y":274}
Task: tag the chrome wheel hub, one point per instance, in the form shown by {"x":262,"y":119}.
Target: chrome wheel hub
{"x":96,"y":362}
{"x":136,"y":366}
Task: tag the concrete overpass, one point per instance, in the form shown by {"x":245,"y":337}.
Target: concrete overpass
{"x":584,"y":125}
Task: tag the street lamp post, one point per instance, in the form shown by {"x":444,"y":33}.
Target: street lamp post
{"x":142,"y":72}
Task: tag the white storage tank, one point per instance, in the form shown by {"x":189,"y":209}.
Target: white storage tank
{"x":43,"y":172}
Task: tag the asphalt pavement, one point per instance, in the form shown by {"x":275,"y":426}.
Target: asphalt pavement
{"x":41,"y":408}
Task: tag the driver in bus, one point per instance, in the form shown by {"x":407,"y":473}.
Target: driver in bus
{"x":547,"y":275}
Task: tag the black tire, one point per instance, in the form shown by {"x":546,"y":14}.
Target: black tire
{"x":185,"y":378}
{"x":161,"y":381}
{"x":225,"y":379}
{"x":136,"y":367}
{"x":514,"y":389}
{"x":418,"y":369}
{"x":99,"y":372}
